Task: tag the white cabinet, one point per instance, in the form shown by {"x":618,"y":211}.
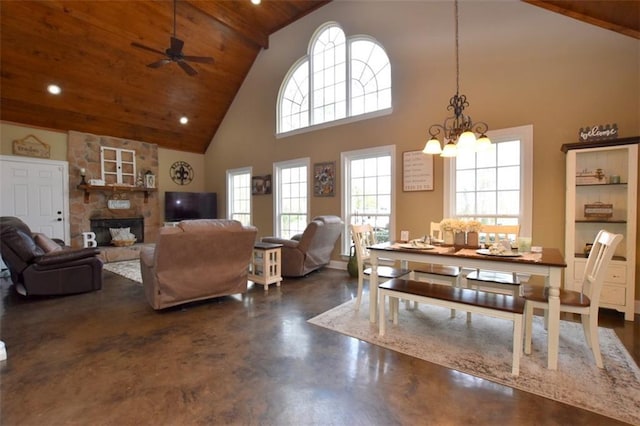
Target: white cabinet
{"x":601,"y":193}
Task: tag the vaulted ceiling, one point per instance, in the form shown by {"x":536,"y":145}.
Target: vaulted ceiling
{"x":85,"y":47}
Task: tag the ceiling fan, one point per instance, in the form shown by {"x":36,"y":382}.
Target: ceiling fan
{"x":174,"y":52}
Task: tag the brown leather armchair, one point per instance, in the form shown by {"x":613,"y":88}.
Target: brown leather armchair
{"x":195,"y":260}
{"x":312,"y":249}
{"x":41,"y":266}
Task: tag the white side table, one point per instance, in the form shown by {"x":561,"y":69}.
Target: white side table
{"x":266,"y":264}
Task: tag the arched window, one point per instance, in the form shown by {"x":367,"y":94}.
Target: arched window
{"x":315,"y":90}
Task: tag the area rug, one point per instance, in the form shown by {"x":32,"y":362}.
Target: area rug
{"x":129,"y":269}
{"x":482,"y":348}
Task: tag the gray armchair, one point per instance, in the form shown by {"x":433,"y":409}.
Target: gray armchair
{"x":312,"y":249}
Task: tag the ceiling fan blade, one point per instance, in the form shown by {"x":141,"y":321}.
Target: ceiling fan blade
{"x":159,"y":63}
{"x":187,"y":68}
{"x":199,"y":59}
{"x":176,"y":45}
{"x":150,"y":49}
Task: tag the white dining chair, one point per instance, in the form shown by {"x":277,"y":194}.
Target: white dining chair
{"x":363,"y":236}
{"x":492,"y":280}
{"x":440,"y":274}
{"x":584,"y":302}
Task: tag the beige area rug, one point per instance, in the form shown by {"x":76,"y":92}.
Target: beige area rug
{"x":129,"y":269}
{"x":482,"y":348}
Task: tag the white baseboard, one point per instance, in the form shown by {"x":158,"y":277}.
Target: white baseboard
{"x":337,"y":264}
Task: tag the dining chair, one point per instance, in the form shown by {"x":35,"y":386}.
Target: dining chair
{"x":364,"y":236}
{"x":437,"y":273}
{"x":584,"y":302}
{"x":502,"y":281}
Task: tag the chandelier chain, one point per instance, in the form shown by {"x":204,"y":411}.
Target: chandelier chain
{"x":457,"y":52}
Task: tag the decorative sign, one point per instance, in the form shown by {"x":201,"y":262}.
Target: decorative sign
{"x":598,"y":133}
{"x":324,"y":179}
{"x":31,"y":146}
{"x":417,"y":171}
{"x":181,"y":172}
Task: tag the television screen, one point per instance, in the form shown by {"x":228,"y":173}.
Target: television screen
{"x":189,"y":205}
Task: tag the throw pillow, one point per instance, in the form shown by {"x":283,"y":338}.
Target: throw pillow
{"x":119,"y":233}
{"x":46,"y":243}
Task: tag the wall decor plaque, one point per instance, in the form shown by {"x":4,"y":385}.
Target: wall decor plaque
{"x":598,"y":133}
{"x":31,"y":146}
{"x":417,"y":171}
{"x":324,"y":179}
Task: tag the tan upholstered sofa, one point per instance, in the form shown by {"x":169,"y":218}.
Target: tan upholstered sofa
{"x":312,"y":249}
{"x":195,"y":260}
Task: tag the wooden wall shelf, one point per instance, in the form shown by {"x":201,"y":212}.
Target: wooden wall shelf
{"x":114,"y":188}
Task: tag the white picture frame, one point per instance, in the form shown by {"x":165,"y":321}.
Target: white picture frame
{"x":149,"y":181}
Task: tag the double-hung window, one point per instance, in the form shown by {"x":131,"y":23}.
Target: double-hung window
{"x":494,"y":186}
{"x":368,"y":180}
{"x":239,"y":195}
{"x":291,"y":197}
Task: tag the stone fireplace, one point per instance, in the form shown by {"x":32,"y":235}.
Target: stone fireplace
{"x":87,"y":208}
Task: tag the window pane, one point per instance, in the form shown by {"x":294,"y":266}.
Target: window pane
{"x":509,"y":177}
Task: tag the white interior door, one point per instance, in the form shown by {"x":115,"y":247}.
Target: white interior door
{"x":36,"y":191}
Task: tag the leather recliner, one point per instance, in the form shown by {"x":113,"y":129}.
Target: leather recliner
{"x":312,"y":249}
{"x":40,"y":266}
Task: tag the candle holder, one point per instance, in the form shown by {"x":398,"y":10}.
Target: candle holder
{"x":83,"y":173}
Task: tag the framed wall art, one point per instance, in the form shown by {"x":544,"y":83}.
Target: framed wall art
{"x":417,"y":171}
{"x":261,"y":185}
{"x":324,"y":179}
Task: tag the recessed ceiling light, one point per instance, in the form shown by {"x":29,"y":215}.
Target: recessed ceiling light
{"x":54,"y":89}
{"x":255,"y":1}
{"x":184,"y":120}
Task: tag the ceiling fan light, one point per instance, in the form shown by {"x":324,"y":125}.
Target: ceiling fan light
{"x":449,"y":150}
{"x":184,"y":119}
{"x":432,"y":147}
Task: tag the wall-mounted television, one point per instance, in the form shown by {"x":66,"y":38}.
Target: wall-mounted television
{"x":190,"y":205}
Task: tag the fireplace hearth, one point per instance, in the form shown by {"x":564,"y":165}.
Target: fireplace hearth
{"x":100,"y":226}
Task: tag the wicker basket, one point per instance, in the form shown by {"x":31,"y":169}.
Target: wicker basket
{"x":123,"y":243}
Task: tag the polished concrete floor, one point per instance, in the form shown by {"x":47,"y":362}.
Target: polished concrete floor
{"x":106,"y":358}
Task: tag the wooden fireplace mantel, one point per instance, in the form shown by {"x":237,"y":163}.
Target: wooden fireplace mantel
{"x":114,"y":188}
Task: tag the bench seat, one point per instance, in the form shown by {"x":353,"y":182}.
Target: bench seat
{"x":475,"y":301}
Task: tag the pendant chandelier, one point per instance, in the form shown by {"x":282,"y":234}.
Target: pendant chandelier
{"x":458,"y":131}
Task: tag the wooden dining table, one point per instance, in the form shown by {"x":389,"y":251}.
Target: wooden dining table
{"x":549,"y":264}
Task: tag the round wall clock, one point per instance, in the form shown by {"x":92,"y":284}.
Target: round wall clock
{"x":181,"y":172}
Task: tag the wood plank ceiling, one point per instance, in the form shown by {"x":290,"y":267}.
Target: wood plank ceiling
{"x":85,"y":47}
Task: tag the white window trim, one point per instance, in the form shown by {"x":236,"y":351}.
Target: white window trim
{"x":345,"y":157}
{"x":525,"y":135}
{"x":230,"y":174}
{"x":277,"y":168}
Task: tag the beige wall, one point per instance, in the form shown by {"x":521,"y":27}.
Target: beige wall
{"x":10,"y":132}
{"x":520,"y":65}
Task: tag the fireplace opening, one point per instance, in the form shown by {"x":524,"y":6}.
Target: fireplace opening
{"x":100,"y":226}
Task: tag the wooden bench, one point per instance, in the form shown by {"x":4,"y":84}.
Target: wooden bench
{"x":475,"y":301}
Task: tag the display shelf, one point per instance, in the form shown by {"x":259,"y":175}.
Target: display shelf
{"x":114,"y":188}
{"x":617,"y":158}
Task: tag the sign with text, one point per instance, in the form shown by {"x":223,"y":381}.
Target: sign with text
{"x":417,"y":171}
{"x":598,"y":133}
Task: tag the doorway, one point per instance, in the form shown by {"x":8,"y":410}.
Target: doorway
{"x":37,"y":192}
